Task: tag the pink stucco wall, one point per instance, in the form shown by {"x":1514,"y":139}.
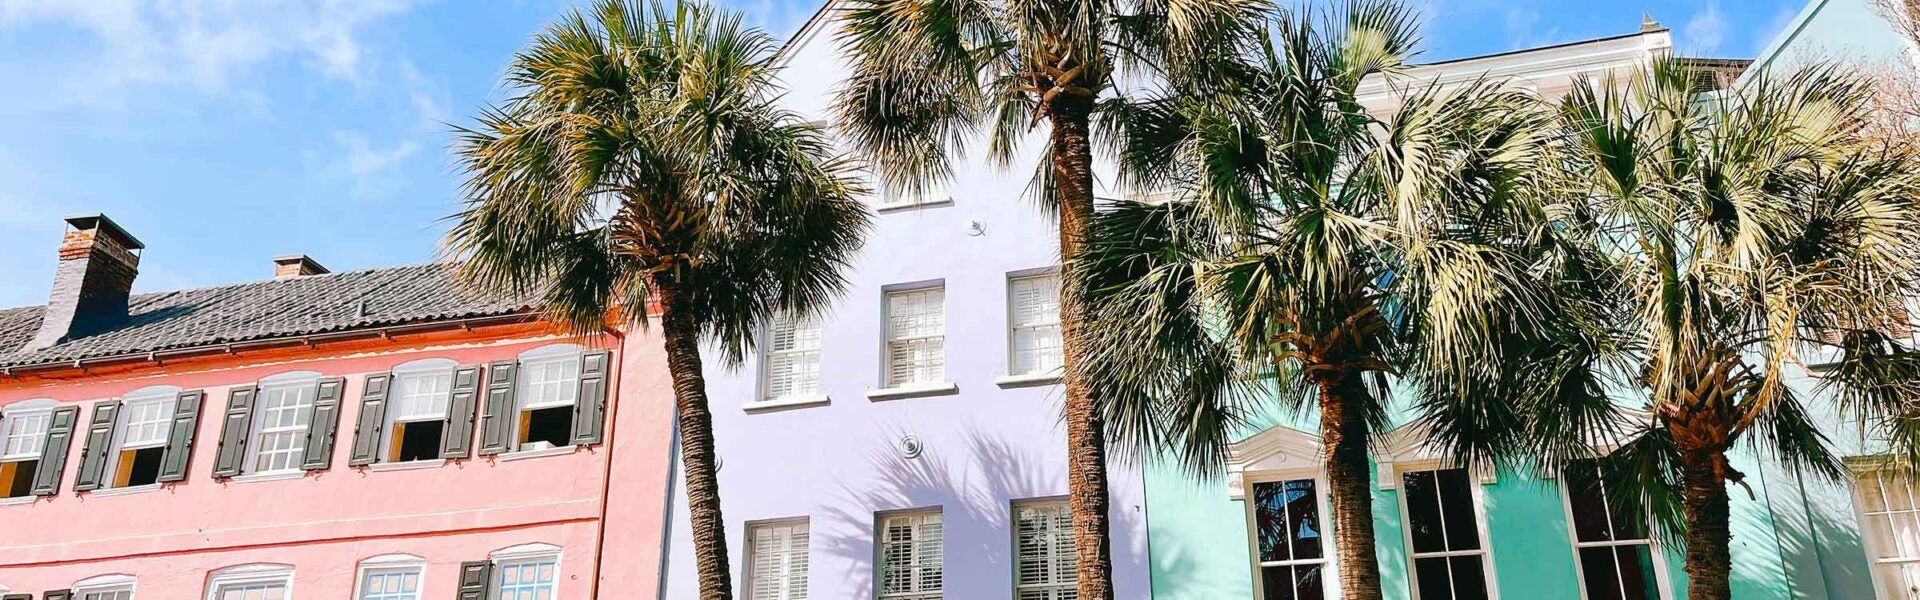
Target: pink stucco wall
{"x":325,"y":523}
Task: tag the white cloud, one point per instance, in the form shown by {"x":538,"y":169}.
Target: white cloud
{"x":1706,"y":31}
{"x":362,"y":159}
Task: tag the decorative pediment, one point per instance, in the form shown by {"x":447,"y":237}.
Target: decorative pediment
{"x":1407,"y":448}
{"x":1278,"y":450}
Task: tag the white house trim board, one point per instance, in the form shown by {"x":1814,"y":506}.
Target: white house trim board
{"x":1272,"y":454}
{"x":1407,"y":448}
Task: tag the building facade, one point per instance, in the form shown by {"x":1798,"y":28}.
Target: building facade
{"x":379,"y":435}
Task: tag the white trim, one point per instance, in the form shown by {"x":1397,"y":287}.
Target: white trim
{"x":1053,"y":377}
{"x":787,"y":402}
{"x":525,"y":553}
{"x":123,"y":491}
{"x":526,"y":454}
{"x":407,"y":465}
{"x":1279,"y":452}
{"x":1328,"y":561}
{"x":556,"y":350}
{"x":35,"y":407}
{"x":289,"y":377}
{"x":1655,"y":551}
{"x":301,"y":382}
{"x":754,"y":552}
{"x":390,"y":562}
{"x":425,"y":365}
{"x":250,"y":574}
{"x":914,"y":391}
{"x":103,"y":584}
{"x":1485,"y":552}
{"x":1859,"y":467}
{"x":280,"y":475}
{"x":17,"y":500}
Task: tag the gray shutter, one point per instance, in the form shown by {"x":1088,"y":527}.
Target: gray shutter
{"x":53,"y":456}
{"x":590,"y":407}
{"x":474,"y":579}
{"x":372,"y":425}
{"x":456,"y":438}
{"x":232,"y":453}
{"x":57,"y":595}
{"x":93,"y":455}
{"x":326,"y":422}
{"x":186,"y":425}
{"x":496,"y":419}
{"x":17,"y":597}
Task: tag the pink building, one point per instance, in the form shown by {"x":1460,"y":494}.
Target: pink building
{"x":377,"y":435}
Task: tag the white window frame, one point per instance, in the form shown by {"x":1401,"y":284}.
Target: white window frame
{"x":880,"y":553}
{"x":389,"y":564}
{"x":1014,"y":329}
{"x":524,"y":554}
{"x":895,"y":200}
{"x":1862,"y":468}
{"x":754,"y":551}
{"x":767,"y":358}
{"x":403,"y":374}
{"x":1485,"y":552}
{"x":1052,"y":589}
{"x":157,"y":395}
{"x":1655,"y":552}
{"x":1329,"y":564}
{"x":104,"y":584}
{"x":41,"y":408}
{"x":300,"y":382}
{"x":888,"y":338}
{"x":253,"y":574}
{"x":551,"y":354}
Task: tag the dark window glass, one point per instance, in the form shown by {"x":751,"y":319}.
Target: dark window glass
{"x":16,"y":478}
{"x":1456,"y":502}
{"x":1600,"y":573}
{"x":145,"y":468}
{"x":419,"y":440}
{"x":1435,"y":582}
{"x":1469,"y":581}
{"x":551,"y":425}
{"x":1589,"y":502}
{"x":1303,"y":519}
{"x":1300,"y":582}
{"x":1636,"y":572}
{"x":1423,"y":511}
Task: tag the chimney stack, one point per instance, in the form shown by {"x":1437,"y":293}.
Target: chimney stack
{"x":296,"y":265}
{"x":98,"y":261}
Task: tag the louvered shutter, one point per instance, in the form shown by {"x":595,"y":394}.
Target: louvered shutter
{"x":186,"y":424}
{"x":474,"y":577}
{"x":590,"y":405}
{"x":16,"y":597}
{"x":912,"y":556}
{"x":1034,"y":323}
{"x":779,"y":562}
{"x":371,"y":425}
{"x":318,"y":454}
{"x":57,"y":595}
{"x":1044,"y":546}
{"x":99,"y":445}
{"x":53,"y":454}
{"x":793,"y":356}
{"x":916,"y":337}
{"x":496,"y":416}
{"x":234,"y":427}
{"x":456,"y":439}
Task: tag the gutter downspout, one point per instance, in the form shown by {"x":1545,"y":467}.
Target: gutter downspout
{"x":606,"y":477}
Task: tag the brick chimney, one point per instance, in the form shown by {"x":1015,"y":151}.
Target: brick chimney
{"x":296,"y":265}
{"x":98,"y":261}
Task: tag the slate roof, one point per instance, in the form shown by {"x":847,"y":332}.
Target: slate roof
{"x":260,"y":310}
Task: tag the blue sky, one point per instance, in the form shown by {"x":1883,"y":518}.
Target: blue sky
{"x":225,"y":132}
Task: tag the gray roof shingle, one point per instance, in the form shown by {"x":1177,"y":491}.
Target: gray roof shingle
{"x":261,"y":310}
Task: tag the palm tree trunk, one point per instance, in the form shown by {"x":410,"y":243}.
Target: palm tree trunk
{"x":1703,"y":495}
{"x":1072,"y":151}
{"x":682,"y":340}
{"x":1343,"y":435}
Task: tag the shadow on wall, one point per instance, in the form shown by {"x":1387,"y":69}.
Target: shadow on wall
{"x":1816,"y":530}
{"x":975,"y":506}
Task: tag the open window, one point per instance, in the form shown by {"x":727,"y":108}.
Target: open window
{"x":146,"y":420}
{"x":422,"y":390}
{"x":549,"y":387}
{"x":552,"y":397}
{"x":23,"y":437}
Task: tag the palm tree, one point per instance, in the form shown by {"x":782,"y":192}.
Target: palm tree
{"x":1729,"y":240}
{"x":1313,"y":244}
{"x":929,"y":75}
{"x":643,"y":164}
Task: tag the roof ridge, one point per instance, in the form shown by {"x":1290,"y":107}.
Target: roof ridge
{"x":257,"y":282}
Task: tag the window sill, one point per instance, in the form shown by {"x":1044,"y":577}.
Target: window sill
{"x":268,"y":476}
{"x":408,"y":465}
{"x":896,"y":208}
{"x":1030,"y":379}
{"x":27,"y":499}
{"x":122,"y":491}
{"x":526,"y":454}
{"x":789,"y":402}
{"x":914,"y":391}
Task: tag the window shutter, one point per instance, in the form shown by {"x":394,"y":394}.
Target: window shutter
{"x":326,"y":422}
{"x":93,"y":455}
{"x":474,"y":577}
{"x":16,"y":597}
{"x":456,"y":439}
{"x":53,"y":455}
{"x":186,"y":423}
{"x":368,"y":430}
{"x":496,"y":419}
{"x":233,"y":432}
{"x":590,"y":407}
{"x":57,"y":595}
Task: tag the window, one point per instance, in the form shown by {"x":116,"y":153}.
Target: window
{"x":104,"y":587}
{"x":529,"y":572}
{"x":23,"y":436}
{"x":1289,"y":541}
{"x":1033,"y":315}
{"x":916,"y":337}
{"x":777,"y":561}
{"x":1890,"y":522}
{"x":1443,"y":535}
{"x":390,"y":577}
{"x":793,"y":357}
{"x":281,"y":422}
{"x":421,"y":392}
{"x":146,"y":418}
{"x":1612,"y":545}
{"x":549,"y":385}
{"x":911,"y":557}
{"x":1043,"y":546}
{"x":251,"y":582}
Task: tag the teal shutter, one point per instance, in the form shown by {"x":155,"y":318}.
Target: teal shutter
{"x":372,"y":424}
{"x":53,"y":457}
{"x":456,"y":438}
{"x":232,"y":453}
{"x":99,"y":446}
{"x":590,"y":406}
{"x":186,"y":425}
{"x":318,"y":455}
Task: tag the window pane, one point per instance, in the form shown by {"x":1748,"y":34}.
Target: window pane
{"x":916,"y":337}
{"x":1900,"y":580}
{"x":1469,"y":580}
{"x":526,"y":580}
{"x":1423,"y":511}
{"x":1034,"y":316}
{"x":391,"y":584}
{"x":1270,"y":517}
{"x":1044,"y":567}
{"x":26,"y":432}
{"x":911,"y":557}
{"x":147,"y":423}
{"x":422,"y":396}
{"x":778,"y":562}
{"x":1303,"y":519}
{"x":1457,"y":506}
{"x":793,"y":356}
{"x":549,"y":382}
{"x":1599,"y":571}
{"x":1436,"y":582}
{"x":1588,"y":500}
{"x":1637,"y":580}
